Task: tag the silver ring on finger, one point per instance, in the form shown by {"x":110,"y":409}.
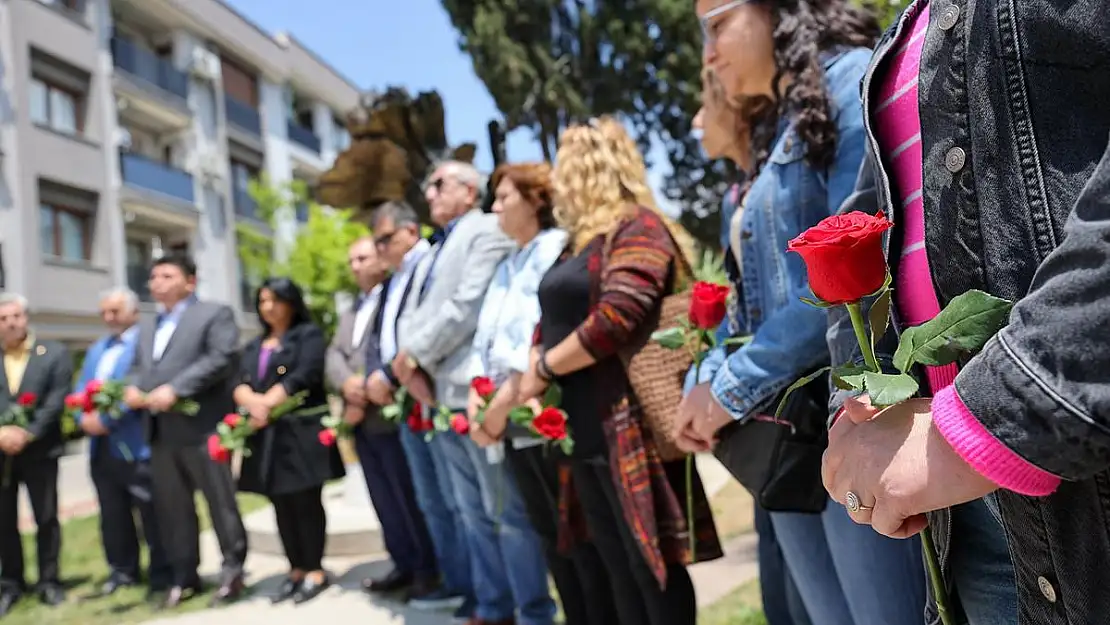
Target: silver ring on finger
{"x":853,"y":504}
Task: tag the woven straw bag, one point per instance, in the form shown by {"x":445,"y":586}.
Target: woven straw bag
{"x":655,"y":373}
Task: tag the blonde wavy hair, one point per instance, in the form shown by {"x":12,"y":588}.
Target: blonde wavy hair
{"x":599,"y":179}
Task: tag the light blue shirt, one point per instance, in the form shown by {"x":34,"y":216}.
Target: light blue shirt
{"x":511,"y":308}
{"x":167,"y":325}
{"x":110,"y":358}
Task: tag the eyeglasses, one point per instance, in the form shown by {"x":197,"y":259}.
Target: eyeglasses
{"x":707,"y":35}
{"x":436,"y":184}
{"x":382,"y":240}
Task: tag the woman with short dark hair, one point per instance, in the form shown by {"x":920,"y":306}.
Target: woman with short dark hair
{"x":287,"y":463}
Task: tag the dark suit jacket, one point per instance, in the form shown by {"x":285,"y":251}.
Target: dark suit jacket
{"x":199,"y":362}
{"x":49,"y":375}
{"x":345,"y":360}
{"x":287,"y":456}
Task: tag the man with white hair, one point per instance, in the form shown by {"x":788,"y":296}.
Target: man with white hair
{"x":435,"y":335}
{"x":119,"y":456}
{"x":35,"y":379}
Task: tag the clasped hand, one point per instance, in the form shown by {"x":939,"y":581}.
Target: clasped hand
{"x":13,"y":439}
{"x":698,"y":420}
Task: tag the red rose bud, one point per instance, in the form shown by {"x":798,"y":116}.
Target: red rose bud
{"x":232,"y":420}
{"x":93,"y":387}
{"x":426,"y":425}
{"x":415,"y":421}
{"x":844,"y":256}
{"x":483,"y":386}
{"x":708,"y":305}
{"x":216,"y":450}
{"x":75,"y":400}
{"x":460,"y":423}
{"x":26,"y":399}
{"x":551,"y":423}
{"x":327,"y":438}
{"x":90,"y":403}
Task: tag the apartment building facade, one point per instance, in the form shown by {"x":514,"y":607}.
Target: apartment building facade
{"x":129,"y":128}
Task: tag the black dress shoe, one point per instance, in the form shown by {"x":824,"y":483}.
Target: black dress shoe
{"x":178,"y":594}
{"x":310,"y":589}
{"x":228,"y":592}
{"x":114,"y":585}
{"x":394,"y":582}
{"x":52,"y":594}
{"x":8,"y":599}
{"x":288,"y":588}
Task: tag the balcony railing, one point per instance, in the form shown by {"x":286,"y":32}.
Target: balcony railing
{"x":303,"y":136}
{"x":138,"y":279}
{"x":243,"y":115}
{"x":245,"y":205}
{"x":148,"y":67}
{"x":143,"y":173}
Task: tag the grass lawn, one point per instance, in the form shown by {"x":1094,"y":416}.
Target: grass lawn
{"x":742,"y":607}
{"x":83,"y":572}
{"x":732,"y":511}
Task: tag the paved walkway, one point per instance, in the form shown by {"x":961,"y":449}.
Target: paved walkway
{"x":346,"y":603}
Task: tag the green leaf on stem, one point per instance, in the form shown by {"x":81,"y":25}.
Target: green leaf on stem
{"x":849,"y":377}
{"x":886,"y":389}
{"x":567,"y":445}
{"x":391,"y":412}
{"x":963,"y":327}
{"x":671,"y":338}
{"x":879,"y":316}
{"x":223,"y":429}
{"x":553,"y":396}
{"x":521,"y":415}
{"x":737,"y":340}
{"x":799,"y":383}
{"x":816,"y":303}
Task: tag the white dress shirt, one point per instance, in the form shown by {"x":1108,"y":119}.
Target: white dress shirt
{"x":163,"y":331}
{"x":392,"y":303}
{"x":365,"y":311}
{"x":110,"y":358}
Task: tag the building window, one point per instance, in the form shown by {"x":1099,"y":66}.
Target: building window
{"x":55,"y":107}
{"x":65,"y":233}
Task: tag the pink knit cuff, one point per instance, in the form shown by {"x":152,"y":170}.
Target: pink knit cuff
{"x":980,"y":449}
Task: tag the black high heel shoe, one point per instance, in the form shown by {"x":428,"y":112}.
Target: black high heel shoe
{"x":310,"y":589}
{"x":287,"y":591}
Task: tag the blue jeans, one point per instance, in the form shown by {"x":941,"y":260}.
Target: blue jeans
{"x":431,"y":479}
{"x":507,"y":560}
{"x":980,"y":564}
{"x":782,"y":603}
{"x":848,"y":574}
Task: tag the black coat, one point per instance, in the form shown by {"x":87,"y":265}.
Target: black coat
{"x":287,"y":456}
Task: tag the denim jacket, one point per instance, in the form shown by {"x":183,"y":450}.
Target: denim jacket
{"x":788,"y":197}
{"x":1014,"y":128}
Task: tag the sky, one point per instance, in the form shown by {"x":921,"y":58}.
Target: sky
{"x":378,"y":44}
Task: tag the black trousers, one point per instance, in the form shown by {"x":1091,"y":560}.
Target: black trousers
{"x":580,"y":575}
{"x":124,"y":489}
{"x":40,"y":477}
{"x":303,"y":527}
{"x":639,"y":599}
{"x":177,"y":473}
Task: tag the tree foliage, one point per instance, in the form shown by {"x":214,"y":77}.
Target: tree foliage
{"x":547,"y":63}
{"x":316,"y":258}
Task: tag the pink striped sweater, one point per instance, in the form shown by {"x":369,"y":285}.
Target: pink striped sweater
{"x":898,"y":130}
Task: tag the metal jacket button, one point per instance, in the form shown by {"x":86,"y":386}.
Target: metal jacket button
{"x":281,"y":370}
{"x":1046,"y":589}
{"x":948,"y":17}
{"x":954,"y":160}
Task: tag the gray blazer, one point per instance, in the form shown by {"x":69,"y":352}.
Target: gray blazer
{"x":49,"y":377}
{"x":200,"y":362}
{"x":438,"y":323}
{"x":345,"y":360}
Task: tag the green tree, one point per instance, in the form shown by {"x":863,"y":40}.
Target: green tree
{"x":547,"y":63}
{"x":316,"y":258}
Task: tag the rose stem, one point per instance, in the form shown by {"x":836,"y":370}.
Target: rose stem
{"x":855,"y":310}
{"x":940,"y":593}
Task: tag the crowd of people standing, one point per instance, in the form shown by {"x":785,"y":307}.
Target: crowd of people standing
{"x":980,"y":130}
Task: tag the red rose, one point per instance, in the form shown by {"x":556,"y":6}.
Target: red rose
{"x":216,"y":450}
{"x":708,"y":305}
{"x":93,"y":387}
{"x":26,"y":399}
{"x":417,"y":412}
{"x":90,"y":403}
{"x":460,"y":423}
{"x":844,"y":256}
{"x":327,"y":438}
{"x":427,"y":425}
{"x":75,"y":401}
{"x":551,"y":423}
{"x":483,"y":386}
{"x":232,"y":420}
{"x":415,"y":421}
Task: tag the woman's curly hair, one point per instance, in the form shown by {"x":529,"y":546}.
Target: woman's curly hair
{"x":803,"y":31}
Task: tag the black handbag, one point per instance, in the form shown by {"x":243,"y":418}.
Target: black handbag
{"x":778,"y":464}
